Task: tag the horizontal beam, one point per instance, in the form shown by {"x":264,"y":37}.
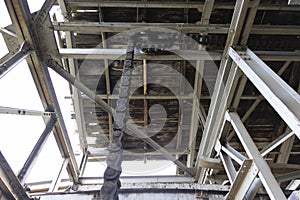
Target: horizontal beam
{"x":164,"y":97}
{"x":95,"y":153}
{"x":276,"y":91}
{"x":114,"y":54}
{"x":12,"y":61}
{"x":170,"y":4}
{"x":19,"y":111}
{"x":96,"y":28}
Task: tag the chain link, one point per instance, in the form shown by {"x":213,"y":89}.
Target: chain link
{"x":112,"y":184}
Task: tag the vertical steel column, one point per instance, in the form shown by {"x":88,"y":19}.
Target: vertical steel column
{"x":217,"y":106}
{"x":73,"y":66}
{"x":206,"y":13}
{"x":55,"y":183}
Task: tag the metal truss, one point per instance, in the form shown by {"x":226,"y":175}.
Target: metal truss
{"x":238,"y":64}
{"x":270,"y":85}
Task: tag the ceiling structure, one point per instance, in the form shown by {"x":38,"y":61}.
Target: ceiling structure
{"x":214,"y":89}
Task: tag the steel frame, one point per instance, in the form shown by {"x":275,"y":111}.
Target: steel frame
{"x":266,"y":82}
{"x":72,"y":80}
{"x":234,"y":63}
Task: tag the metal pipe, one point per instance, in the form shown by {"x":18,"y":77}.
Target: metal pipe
{"x":9,"y":64}
{"x":24,"y":172}
{"x":110,"y":110}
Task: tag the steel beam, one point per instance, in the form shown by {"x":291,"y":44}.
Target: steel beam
{"x":8,"y":32}
{"x":195,"y":116}
{"x":16,"y":58}
{"x":259,"y":99}
{"x":265,"y":173}
{"x":44,"y":11}
{"x":23,"y":23}
{"x":11,"y":181}
{"x":73,"y":66}
{"x":278,"y":93}
{"x":108,"y":109}
{"x":166,"y":97}
{"x":95,"y":28}
{"x":56,"y":181}
{"x":243,"y":42}
{"x":275,"y":143}
{"x":5,"y":194}
{"x":18,"y":111}
{"x":239,"y":158}
{"x":208,"y":139}
{"x":244,"y":179}
{"x":171,"y":4}
{"x":286,"y":147}
{"x":117,"y":54}
{"x":24,"y":172}
{"x":229,"y":167}
{"x":234,"y":154}
{"x":294,"y":2}
{"x":288,"y":176}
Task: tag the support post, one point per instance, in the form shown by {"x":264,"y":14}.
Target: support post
{"x":207,"y":10}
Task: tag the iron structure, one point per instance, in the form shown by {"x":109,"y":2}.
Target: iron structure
{"x":235,"y":136}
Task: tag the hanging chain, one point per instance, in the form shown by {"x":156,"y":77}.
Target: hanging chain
{"x":111,"y":185}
